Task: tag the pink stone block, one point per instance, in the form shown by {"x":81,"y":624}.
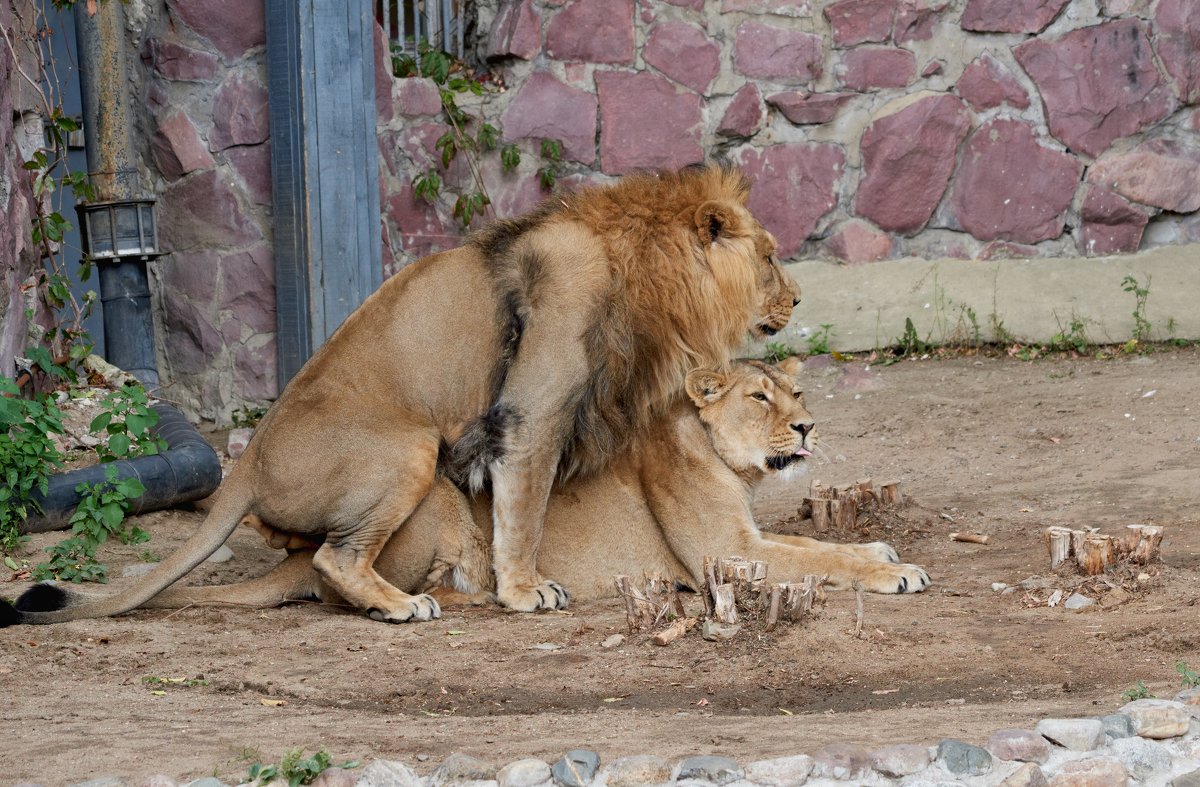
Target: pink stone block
{"x":1098,"y":83}
{"x":645,"y":123}
{"x":685,"y":53}
{"x":987,"y":83}
{"x":232,"y":26}
{"x":239,"y":113}
{"x":857,"y":241}
{"x":545,"y":108}
{"x":1162,"y":173}
{"x":1177,"y":27}
{"x":908,"y":157}
{"x":592,"y":31}
{"x":175,"y":61}
{"x":516,"y":31}
{"x":809,"y":108}
{"x":1009,"y":187}
{"x":744,"y":116}
{"x":1109,"y":223}
{"x":778,"y":54}
{"x":853,"y":22}
{"x":915,"y":19}
{"x":795,"y":184}
{"x":177,"y":148}
{"x":875,"y":67}
{"x":1010,"y":16}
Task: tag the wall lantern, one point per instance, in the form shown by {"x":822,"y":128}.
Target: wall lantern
{"x":112,"y":230}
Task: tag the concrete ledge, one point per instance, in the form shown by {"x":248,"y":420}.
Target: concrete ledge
{"x":867,"y":304}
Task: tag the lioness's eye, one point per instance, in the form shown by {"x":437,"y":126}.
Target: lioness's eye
{"x":759,"y":395}
{"x":798,"y":394}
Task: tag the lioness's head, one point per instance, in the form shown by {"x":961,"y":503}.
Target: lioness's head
{"x":755,"y":415}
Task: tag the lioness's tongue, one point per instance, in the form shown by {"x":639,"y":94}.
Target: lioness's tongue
{"x":802,"y":451}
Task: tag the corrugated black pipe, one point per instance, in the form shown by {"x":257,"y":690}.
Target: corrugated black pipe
{"x":188,"y":470}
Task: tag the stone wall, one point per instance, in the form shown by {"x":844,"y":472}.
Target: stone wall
{"x":873,"y":129}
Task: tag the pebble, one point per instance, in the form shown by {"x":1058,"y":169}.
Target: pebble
{"x":388,"y":773}
{"x":781,"y":771}
{"x":637,"y":771}
{"x":577,"y":767}
{"x":238,"y":440}
{"x":1117,"y":725}
{"x":963,"y":759}
{"x":1141,"y":757}
{"x":1028,"y":775}
{"x":330,"y":777}
{"x":999,"y":586}
{"x":1073,"y":734}
{"x":459,"y":768}
{"x":223,"y":555}
{"x":1158,"y":718}
{"x":1078,"y":601}
{"x":1098,"y":771}
{"x":1020,"y":745}
{"x":709,"y":768}
{"x":524,"y":773}
{"x":901,"y":759}
{"x":612,"y":641}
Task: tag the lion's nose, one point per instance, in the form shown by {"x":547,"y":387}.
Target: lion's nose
{"x":803,"y":428}
{"x":795,"y":302}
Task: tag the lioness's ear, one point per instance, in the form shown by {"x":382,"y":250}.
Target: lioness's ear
{"x":714,"y":220}
{"x":705,"y":386}
{"x":791,"y":366}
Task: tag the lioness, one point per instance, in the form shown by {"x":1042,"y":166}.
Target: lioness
{"x":538,"y":348}
{"x":704,"y":459}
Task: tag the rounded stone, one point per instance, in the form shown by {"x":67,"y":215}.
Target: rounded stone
{"x":1073,"y":734}
{"x":524,"y":773}
{"x":1141,"y":757}
{"x":781,"y":771}
{"x":576,"y":768}
{"x":963,"y":759}
{"x":1021,"y":745}
{"x":1154,"y":718}
{"x":389,"y":773}
{"x":637,"y":771}
{"x":901,"y":759}
{"x":709,"y":768}
{"x":1098,"y":771}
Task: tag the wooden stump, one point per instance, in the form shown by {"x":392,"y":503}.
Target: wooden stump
{"x":1094,"y":552}
{"x":1142,"y":543}
{"x":649,"y":605}
{"x":1058,"y":541}
{"x":891,"y":494}
{"x":821,"y":512}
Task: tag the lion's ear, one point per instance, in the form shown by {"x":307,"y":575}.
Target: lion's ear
{"x":705,"y":386}
{"x":714,"y":220}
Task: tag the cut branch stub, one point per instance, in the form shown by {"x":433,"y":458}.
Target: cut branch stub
{"x":891,"y":493}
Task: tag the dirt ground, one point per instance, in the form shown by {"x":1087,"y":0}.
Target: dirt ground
{"x":984,"y":444}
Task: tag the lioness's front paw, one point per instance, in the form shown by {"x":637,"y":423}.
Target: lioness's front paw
{"x":417,"y":608}
{"x":877,"y":550}
{"x":530,"y":598}
{"x":897,"y":578}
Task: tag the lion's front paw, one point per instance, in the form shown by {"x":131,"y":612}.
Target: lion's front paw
{"x":897,"y":578}
{"x":877,"y":550}
{"x":530,"y":598}
{"x":416,"y":608}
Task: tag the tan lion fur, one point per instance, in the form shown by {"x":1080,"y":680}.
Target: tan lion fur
{"x":539,"y":348}
{"x":707,"y":455}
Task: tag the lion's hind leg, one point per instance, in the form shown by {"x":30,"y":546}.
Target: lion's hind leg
{"x":346,"y":561}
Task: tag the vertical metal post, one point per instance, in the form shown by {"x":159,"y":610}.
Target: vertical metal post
{"x":325,"y":167}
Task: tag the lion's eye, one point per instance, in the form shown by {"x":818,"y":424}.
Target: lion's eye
{"x":797,"y":394}
{"x":759,"y":395}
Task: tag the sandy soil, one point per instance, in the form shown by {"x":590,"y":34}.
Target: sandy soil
{"x":992,"y":445}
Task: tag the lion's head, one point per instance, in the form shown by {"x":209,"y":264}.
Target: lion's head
{"x":755,"y":415}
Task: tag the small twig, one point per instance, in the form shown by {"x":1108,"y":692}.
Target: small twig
{"x":858,"y":608}
{"x":971,"y":538}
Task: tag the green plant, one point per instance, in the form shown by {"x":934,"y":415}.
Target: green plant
{"x":1072,"y":339}
{"x":774,"y":352}
{"x":248,"y":417}
{"x":1138,"y":692}
{"x":101,"y":513}
{"x":910,"y":342}
{"x":1141,"y":326}
{"x":469,"y":133}
{"x":818,"y":341}
{"x":295,"y":768}
{"x":1190,"y":678}
{"x":127,"y":418}
{"x":27,"y":457}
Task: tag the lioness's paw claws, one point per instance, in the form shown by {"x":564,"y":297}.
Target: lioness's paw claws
{"x":531,"y":598}
{"x":913,"y":579}
{"x":418,"y":608}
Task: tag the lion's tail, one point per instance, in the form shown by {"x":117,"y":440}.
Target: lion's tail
{"x":52,"y":603}
{"x":468,"y":461}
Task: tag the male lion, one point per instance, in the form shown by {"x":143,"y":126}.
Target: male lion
{"x":704,"y":459}
{"x":537,"y":349}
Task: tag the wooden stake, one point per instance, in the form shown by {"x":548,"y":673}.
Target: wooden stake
{"x":891,"y":493}
{"x":1058,"y":541}
{"x":858,"y":608}
{"x":971,"y":538}
{"x":821,"y":513}
{"x":845,"y":517}
{"x":774,"y":606}
{"x":866,"y":491}
{"x":1097,"y":554}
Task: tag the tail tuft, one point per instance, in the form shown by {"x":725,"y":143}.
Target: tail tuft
{"x":43,"y":597}
{"x":8,"y":615}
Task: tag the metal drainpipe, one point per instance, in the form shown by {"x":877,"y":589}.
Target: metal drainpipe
{"x":112,"y":170}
